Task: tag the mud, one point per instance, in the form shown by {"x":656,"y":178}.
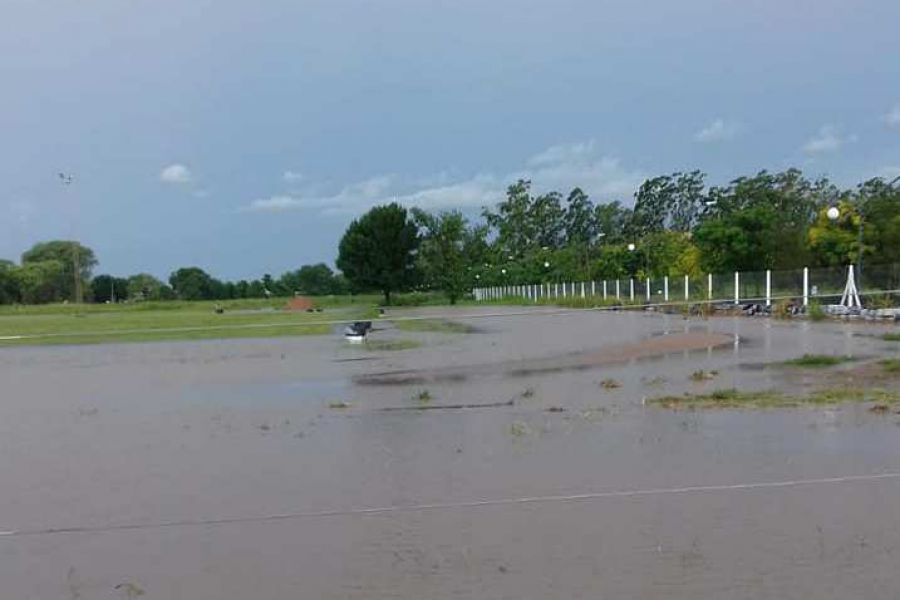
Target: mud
{"x":110,"y":436}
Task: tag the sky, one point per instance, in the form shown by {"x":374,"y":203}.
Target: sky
{"x":243,"y":137}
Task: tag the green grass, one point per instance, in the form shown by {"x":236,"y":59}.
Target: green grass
{"x":891,"y":365}
{"x":436,"y":325}
{"x":156,"y":321}
{"x":732,"y":398}
{"x":891,"y":337}
{"x":816,"y":361}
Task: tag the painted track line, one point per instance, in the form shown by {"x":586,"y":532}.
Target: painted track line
{"x":697,"y":489}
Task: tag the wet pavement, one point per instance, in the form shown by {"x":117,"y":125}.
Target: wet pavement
{"x":166,"y":437}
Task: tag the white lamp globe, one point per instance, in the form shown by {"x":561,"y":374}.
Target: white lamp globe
{"x":833,"y":213}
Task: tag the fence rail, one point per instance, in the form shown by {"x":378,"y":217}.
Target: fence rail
{"x":803,"y":285}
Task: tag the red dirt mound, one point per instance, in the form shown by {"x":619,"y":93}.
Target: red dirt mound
{"x":299,"y":303}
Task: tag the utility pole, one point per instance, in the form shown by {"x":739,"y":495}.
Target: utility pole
{"x":67,"y":179}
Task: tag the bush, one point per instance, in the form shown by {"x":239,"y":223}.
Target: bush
{"x":814,"y":311}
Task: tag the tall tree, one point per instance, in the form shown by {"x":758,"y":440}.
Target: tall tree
{"x":192,"y":283}
{"x":9,"y":286}
{"x":68,"y":254}
{"x":378,"y":250}
{"x":448,"y":250}
{"x":144,"y":286}
{"x":106,"y":288}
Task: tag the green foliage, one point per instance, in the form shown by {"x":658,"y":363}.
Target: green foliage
{"x":193,"y":283}
{"x":817,"y":360}
{"x":311,"y":280}
{"x":377,"y":251}
{"x":106,"y":288}
{"x":65,"y":254}
{"x":447,"y":251}
{"x":144,"y":286}
{"x":815,"y":312}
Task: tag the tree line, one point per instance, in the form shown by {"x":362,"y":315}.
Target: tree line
{"x":677,"y":225}
{"x":47,"y":273}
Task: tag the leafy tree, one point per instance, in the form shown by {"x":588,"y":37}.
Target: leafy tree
{"x":378,"y":250}
{"x":448,"y":249}
{"x":106,"y":288}
{"x":744,"y":240}
{"x":835,"y":243}
{"x":513,"y":219}
{"x":668,"y":201}
{"x":879,"y":204}
{"x":312,"y":280}
{"x":144,"y":286}
{"x":67,"y":254}
{"x":40,"y":282}
{"x":9,"y":285}
{"x":192,"y":283}
{"x":611,"y":220}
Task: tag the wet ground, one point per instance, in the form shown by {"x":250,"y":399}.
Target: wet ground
{"x":143,"y":448}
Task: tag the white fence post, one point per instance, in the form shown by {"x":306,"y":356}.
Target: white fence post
{"x":805,"y":286}
{"x":564,"y":289}
{"x":631,"y":288}
{"x":666,"y":288}
{"x":737,"y":287}
{"x":604,"y":289}
{"x":648,"y":289}
{"x":687,"y":288}
{"x":709,"y":286}
{"x":593,"y":288}
{"x":617,"y":289}
{"x":768,"y":287}
{"x":582,"y":289}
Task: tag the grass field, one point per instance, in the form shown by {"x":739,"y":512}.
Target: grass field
{"x":152,"y":321}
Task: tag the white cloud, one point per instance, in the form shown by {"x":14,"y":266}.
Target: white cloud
{"x":176,"y":173}
{"x":719,"y":130}
{"x":827,"y":140}
{"x":200,"y":194}
{"x":893,"y":117}
{"x":293,"y":176}
{"x":556,"y":168}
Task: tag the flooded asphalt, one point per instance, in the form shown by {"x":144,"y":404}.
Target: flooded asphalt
{"x":145,"y":447}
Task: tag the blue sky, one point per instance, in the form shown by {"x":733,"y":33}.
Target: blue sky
{"x":242,"y":137}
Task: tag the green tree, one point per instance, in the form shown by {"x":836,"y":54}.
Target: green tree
{"x":67,"y":254}
{"x":378,"y":251}
{"x":40,"y":282}
{"x":106,"y":288}
{"x":9,"y":285}
{"x":311,"y":280}
{"x":192,"y":283}
{"x":144,"y":286}
{"x":448,"y":250}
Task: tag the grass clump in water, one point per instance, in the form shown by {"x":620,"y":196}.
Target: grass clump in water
{"x":435,"y":325}
{"x":891,"y":365}
{"x":392,"y":345}
{"x":732,"y":398}
{"x":339,"y":405}
{"x":424,"y":397}
{"x":815,"y":312}
{"x":817,"y":360}
{"x":610,"y":384}
{"x":701,"y":375}
{"x":891,"y":337}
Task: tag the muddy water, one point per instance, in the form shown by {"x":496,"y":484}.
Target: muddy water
{"x":160,"y":433}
